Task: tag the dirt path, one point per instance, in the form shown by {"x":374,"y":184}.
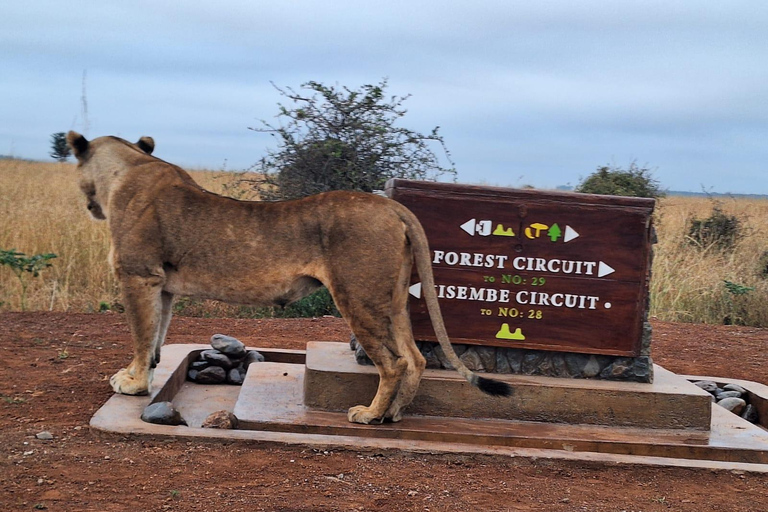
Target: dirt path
{"x":53,"y":377}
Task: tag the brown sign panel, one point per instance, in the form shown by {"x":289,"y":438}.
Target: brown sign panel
{"x":532,"y":269}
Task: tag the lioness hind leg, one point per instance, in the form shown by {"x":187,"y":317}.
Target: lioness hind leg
{"x":143,"y":310}
{"x":375,"y":337}
{"x":415,"y":364}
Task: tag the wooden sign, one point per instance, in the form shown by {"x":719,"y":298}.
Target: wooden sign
{"x":530,"y":269}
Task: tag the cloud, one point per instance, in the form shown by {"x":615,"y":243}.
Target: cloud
{"x":543,"y":90}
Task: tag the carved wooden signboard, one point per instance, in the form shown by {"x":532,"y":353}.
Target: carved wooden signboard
{"x":531,"y":269}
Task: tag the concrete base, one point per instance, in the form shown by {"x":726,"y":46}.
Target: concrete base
{"x":271,"y":409}
{"x":333,"y":381}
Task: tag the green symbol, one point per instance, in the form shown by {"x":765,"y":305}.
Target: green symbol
{"x":500,"y":231}
{"x":554,"y":232}
{"x":505,"y":334}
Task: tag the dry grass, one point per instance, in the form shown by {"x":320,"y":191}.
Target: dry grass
{"x":42,"y":210}
{"x":688,"y":283}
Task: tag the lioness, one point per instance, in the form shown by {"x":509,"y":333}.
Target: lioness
{"x":171,"y":237}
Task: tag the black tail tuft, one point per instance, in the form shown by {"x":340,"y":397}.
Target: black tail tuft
{"x":493,"y":387}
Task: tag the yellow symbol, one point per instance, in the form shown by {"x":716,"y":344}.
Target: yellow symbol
{"x":500,"y":231}
{"x":504,"y":333}
{"x":535,"y":226}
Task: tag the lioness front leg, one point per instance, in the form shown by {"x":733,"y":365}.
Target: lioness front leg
{"x":143,"y":310}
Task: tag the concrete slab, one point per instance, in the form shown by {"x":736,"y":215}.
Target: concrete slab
{"x":274,"y":405}
{"x":335,"y":382}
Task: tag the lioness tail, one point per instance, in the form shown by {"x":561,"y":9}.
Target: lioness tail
{"x":423,"y":260}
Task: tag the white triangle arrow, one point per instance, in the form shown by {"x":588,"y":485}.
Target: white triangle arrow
{"x":469,"y":226}
{"x":570,"y":234}
{"x":604,"y":269}
{"x":415,"y":290}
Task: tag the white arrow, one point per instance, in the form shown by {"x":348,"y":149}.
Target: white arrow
{"x":415,"y":290}
{"x":469,"y":227}
{"x":570,"y":234}
{"x":604,"y":269}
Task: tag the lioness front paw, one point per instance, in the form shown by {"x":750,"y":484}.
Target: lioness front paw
{"x":362,"y":414}
{"x":126,"y":384}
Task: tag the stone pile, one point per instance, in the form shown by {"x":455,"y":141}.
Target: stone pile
{"x":731,"y":397}
{"x":226,"y":362}
{"x":531,"y":362}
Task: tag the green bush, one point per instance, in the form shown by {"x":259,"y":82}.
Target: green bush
{"x":719,"y":230}
{"x":615,"y":181}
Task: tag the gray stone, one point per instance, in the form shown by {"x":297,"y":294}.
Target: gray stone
{"x":211,"y":375}
{"x":735,"y":405}
{"x":707,"y":385}
{"x":515,"y":359}
{"x":428,"y":351}
{"x":472,"y":360}
{"x":641,"y":369}
{"x":616,"y":370}
{"x":532,"y":362}
{"x":253,"y":356}
{"x":353,"y":342}
{"x":220,"y":419}
{"x":735,"y":387}
{"x":750,"y":414}
{"x":192,"y":375}
{"x":217,"y":358}
{"x":728,"y":394}
{"x":575,"y":364}
{"x":645,"y":341}
{"x":228,"y":345}
{"x":234,"y":377}
{"x":502,"y":364}
{"x":162,"y":413}
{"x":487,"y":357}
{"x":361,"y":357}
{"x":592,"y":368}
{"x":199,"y":365}
{"x":44,"y":436}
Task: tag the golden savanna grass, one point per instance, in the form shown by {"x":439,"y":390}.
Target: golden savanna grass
{"x":42,"y":211}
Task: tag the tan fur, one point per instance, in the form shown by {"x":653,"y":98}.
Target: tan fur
{"x":171,"y":237}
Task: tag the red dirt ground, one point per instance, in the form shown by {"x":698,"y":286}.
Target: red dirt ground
{"x":53,"y":377}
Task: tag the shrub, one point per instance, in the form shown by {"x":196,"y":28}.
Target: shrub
{"x":615,"y":181}
{"x":336,"y":138}
{"x":719,"y":230}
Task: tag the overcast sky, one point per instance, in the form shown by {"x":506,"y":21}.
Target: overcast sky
{"x":536,"y":93}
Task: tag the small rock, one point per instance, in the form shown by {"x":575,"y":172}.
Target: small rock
{"x":253,"y":356}
{"x":234,"y":377}
{"x":211,"y":375}
{"x":199,"y":365}
{"x":728,"y":394}
{"x":707,"y":385}
{"x":44,"y":436}
{"x":162,"y":413}
{"x":217,"y":358}
{"x":735,"y":387}
{"x":220,"y":419}
{"x":228,"y":345}
{"x":735,"y":405}
{"x":192,"y":375}
{"x":750,"y":414}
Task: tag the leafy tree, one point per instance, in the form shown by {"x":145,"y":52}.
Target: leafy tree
{"x":633,"y":182}
{"x":59,"y":148}
{"x":340,"y":138}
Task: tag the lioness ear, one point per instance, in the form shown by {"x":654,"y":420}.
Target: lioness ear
{"x":146,"y":144}
{"x":78,"y":143}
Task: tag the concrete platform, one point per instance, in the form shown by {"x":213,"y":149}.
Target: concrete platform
{"x":335,"y":382}
{"x":271,"y":409}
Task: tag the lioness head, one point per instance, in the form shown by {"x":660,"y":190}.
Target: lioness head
{"x":96,"y":163}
